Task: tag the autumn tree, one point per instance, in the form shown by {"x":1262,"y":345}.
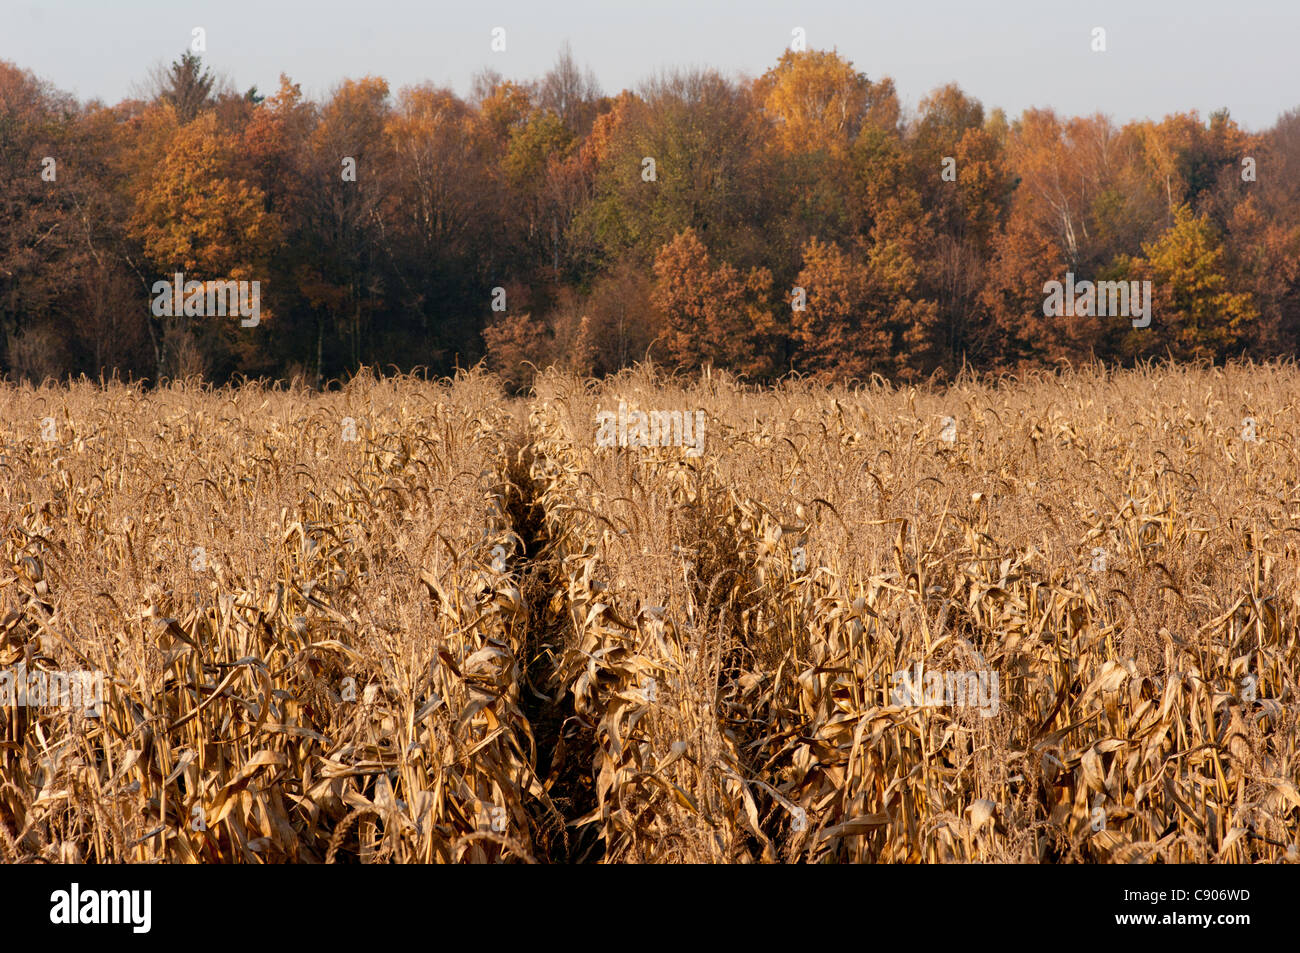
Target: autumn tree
{"x":622,"y":317}
{"x":712,"y":314}
{"x":513,"y":341}
{"x":1079,"y":207}
{"x":861,"y":312}
{"x":34,"y":235}
{"x":348,"y":161}
{"x":1263,"y":233}
{"x":68,"y":302}
{"x":957,"y":165}
{"x":534,"y":167}
{"x":1196,"y":309}
{"x":443,"y":207}
{"x":271,"y":155}
{"x":832,"y":337}
{"x":816,"y":101}
{"x":503,"y":105}
{"x":1011,"y":331}
{"x":816,"y":105}
{"x":196,"y":216}
{"x":685,"y":155}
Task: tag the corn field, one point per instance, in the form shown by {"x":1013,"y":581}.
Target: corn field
{"x":416,"y":622}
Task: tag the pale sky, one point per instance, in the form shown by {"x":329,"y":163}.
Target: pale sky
{"x":1162,"y":55}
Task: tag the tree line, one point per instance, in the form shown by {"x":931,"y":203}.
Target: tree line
{"x":801,"y":220}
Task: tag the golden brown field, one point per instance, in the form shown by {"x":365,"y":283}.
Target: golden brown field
{"x":470,"y":634}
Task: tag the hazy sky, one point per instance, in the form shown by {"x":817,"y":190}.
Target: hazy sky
{"x":1162,"y":55}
